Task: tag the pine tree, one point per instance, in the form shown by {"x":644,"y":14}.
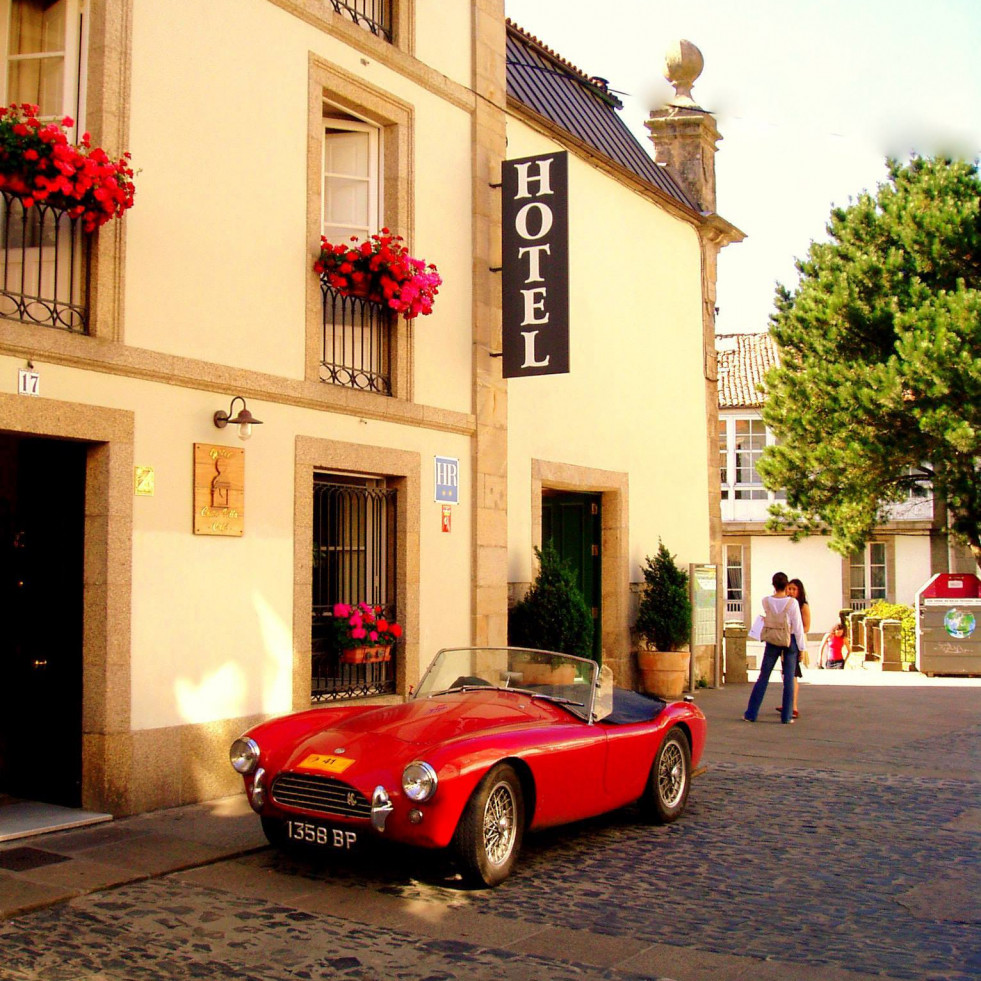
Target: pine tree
{"x":664,"y":611}
{"x":879,"y":385}
{"x":553,"y":616}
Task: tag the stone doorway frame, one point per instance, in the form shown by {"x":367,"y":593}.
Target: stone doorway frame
{"x":107,"y":749}
{"x":613,"y":488}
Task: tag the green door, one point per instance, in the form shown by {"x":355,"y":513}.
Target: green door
{"x":571,"y":522}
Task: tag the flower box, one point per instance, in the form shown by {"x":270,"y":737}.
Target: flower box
{"x":39,"y":165}
{"x":381,"y":271}
{"x":363,"y":634}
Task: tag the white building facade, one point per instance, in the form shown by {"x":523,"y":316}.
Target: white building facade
{"x":903,"y":554}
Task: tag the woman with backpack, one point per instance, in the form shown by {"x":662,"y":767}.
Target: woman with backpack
{"x":783,"y":634}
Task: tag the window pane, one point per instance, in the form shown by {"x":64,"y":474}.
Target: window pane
{"x":39,"y":82}
{"x":723,"y":462}
{"x":856,"y":577}
{"x":734,"y":572}
{"x":346,"y":202}
{"x":36,"y":62}
{"x":350,"y":180}
{"x":37,"y":26}
{"x":347,"y":154}
{"x":877,"y":570}
{"x":342,"y":233}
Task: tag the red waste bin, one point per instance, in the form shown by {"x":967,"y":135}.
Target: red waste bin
{"x":948,"y":639}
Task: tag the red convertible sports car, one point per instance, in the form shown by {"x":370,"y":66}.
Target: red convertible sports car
{"x":494,"y":742}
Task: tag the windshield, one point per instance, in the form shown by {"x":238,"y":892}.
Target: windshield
{"x":559,"y":677}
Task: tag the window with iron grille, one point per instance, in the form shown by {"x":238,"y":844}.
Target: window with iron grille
{"x":44,"y":257}
{"x":357,"y":333}
{"x":44,"y":265}
{"x":357,"y":343}
{"x":867,"y":576}
{"x":734,"y":579}
{"x":372,"y":15}
{"x":355,"y":539}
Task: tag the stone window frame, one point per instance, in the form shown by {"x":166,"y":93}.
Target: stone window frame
{"x":402,"y":469}
{"x":323,"y":16}
{"x":888,"y":545}
{"x":331,"y":85}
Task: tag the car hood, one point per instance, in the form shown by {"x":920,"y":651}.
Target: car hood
{"x":393,"y":734}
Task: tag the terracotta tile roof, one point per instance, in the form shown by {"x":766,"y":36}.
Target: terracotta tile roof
{"x":743,"y":361}
{"x":583,"y":106}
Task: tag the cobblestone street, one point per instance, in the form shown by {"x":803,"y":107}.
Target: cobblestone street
{"x":803,"y":855}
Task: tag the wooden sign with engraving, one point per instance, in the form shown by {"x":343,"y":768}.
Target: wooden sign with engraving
{"x":219,"y":490}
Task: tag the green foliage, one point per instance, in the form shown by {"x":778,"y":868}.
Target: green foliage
{"x":906,"y":615}
{"x":879,"y":385}
{"x":664,"y":612}
{"x":553,"y":616}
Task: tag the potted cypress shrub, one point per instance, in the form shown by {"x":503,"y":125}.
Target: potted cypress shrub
{"x":664,"y":624}
{"x":553,"y":616}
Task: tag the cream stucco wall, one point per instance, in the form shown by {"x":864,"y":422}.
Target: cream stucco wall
{"x":812,"y":562}
{"x":204,"y":291}
{"x":439,"y":23}
{"x":821,"y":571}
{"x":212,"y":617}
{"x":217,"y":247}
{"x":912,"y":566}
{"x":634,"y":400}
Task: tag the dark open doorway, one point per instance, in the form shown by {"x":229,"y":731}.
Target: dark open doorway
{"x":42,"y":521}
{"x":572,"y":523}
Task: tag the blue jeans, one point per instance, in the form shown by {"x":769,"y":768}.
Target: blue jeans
{"x":771,"y":655}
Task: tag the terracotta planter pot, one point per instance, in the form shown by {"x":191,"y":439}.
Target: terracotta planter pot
{"x":544,"y":674}
{"x":360,"y":290}
{"x":565,"y":675}
{"x":664,"y":673}
{"x":355,"y":655}
{"x":377,"y":654}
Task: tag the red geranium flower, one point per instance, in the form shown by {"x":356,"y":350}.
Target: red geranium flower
{"x":382,"y":268}
{"x":91,"y":185}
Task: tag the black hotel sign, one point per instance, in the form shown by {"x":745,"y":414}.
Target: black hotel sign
{"x":535,"y":261}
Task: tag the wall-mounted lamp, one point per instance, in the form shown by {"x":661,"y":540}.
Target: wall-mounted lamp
{"x":244,"y":420}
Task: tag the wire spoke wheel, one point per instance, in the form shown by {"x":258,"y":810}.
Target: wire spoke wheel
{"x":667,"y":788}
{"x":488,"y":837}
{"x":672,"y":775}
{"x":499,"y":823}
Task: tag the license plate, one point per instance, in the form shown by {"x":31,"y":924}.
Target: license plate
{"x":326,"y":764}
{"x":321,"y":835}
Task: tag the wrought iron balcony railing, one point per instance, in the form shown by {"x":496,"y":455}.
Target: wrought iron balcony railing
{"x":357,"y":344}
{"x":373,"y":15}
{"x":332,"y":679}
{"x":44,"y":265}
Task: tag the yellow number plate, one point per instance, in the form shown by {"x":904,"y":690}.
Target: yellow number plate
{"x":328,"y":764}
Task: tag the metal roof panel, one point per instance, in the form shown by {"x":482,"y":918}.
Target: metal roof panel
{"x":547,"y":84}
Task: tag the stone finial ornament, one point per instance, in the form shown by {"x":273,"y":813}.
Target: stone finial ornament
{"x":683,"y":63}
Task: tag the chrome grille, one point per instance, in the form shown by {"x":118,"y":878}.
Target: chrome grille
{"x":322,"y":794}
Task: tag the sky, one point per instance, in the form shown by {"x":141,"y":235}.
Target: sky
{"x":810,"y":96}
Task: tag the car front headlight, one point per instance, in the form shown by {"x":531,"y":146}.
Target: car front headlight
{"x":419,"y":781}
{"x":244,"y":756}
